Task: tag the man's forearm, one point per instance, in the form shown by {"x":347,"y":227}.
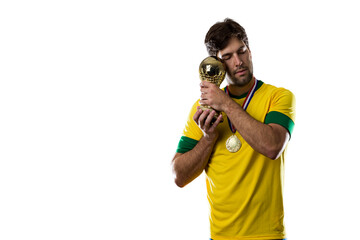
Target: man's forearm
{"x":190,"y":165}
{"x":261,"y":137}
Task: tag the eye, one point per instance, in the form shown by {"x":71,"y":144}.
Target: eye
{"x":242,"y":50}
{"x":226,"y":57}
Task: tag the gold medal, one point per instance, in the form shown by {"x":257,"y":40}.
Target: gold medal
{"x":233,"y":144}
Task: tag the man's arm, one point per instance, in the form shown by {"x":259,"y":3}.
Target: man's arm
{"x":190,"y":165}
{"x":267,"y":139}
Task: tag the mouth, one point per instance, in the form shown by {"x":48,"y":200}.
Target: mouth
{"x":241,"y":71}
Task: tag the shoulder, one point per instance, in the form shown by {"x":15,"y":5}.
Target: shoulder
{"x":274,"y":90}
{"x":277,"y":93}
{"x":281,"y":106}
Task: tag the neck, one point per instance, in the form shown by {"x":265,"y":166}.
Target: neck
{"x":240,"y":90}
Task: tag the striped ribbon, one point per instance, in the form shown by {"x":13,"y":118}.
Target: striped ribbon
{"x":246,"y":102}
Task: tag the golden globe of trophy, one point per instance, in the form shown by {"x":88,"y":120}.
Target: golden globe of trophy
{"x":212,"y":69}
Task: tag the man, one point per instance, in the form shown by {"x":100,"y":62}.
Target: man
{"x":243,"y":155}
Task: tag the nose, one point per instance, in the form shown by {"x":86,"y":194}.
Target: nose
{"x":237,"y":60}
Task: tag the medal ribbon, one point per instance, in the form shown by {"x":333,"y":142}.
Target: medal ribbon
{"x":246,"y":102}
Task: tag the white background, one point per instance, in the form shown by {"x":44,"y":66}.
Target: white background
{"x":94,"y":96}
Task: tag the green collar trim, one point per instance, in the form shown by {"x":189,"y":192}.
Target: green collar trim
{"x":260,"y":83}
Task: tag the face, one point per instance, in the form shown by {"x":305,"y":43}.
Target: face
{"x":238,"y":61}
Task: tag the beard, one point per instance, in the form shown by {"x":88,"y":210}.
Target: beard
{"x":242,"y":80}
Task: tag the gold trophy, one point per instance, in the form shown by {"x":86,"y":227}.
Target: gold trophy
{"x":212,"y":69}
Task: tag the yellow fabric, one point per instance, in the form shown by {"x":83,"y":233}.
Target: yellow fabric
{"x":245,"y":188}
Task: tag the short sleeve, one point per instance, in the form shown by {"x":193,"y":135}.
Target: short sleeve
{"x":191,"y":133}
{"x":282,"y":109}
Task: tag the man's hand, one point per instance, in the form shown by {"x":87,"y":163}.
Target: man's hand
{"x":188,"y":166}
{"x":213,"y":96}
{"x":203,"y":120}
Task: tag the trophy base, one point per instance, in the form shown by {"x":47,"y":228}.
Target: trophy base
{"x":217,"y":113}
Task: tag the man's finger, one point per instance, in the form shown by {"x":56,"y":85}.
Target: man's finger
{"x":202,"y":118}
{"x":197,"y":115}
{"x":218,"y":120}
{"x":205,"y":84}
{"x":209,"y":120}
{"x":203,"y":102}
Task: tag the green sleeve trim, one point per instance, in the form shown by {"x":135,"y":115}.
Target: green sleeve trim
{"x":281,"y":119}
{"x":186,"y":144}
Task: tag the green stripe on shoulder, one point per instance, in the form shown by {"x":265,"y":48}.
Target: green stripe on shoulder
{"x":186,"y":144}
{"x":281,"y":119}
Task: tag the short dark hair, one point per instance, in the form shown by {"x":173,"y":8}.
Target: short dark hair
{"x":219,"y":35}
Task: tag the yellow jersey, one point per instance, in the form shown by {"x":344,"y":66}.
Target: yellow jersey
{"x":244,"y":189}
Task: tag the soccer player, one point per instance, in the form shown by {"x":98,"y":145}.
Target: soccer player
{"x":243,"y":151}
